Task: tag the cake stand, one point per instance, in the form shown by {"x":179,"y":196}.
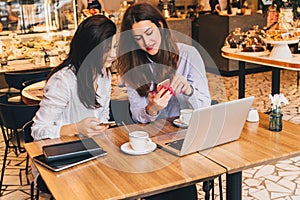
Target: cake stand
{"x":281,"y":48}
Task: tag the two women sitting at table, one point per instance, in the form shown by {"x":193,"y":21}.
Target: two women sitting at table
{"x":76,"y":96}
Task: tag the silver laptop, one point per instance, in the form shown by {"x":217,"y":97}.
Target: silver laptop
{"x":209,"y":127}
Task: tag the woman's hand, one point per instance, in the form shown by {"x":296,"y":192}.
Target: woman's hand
{"x":159,"y":101}
{"x":88,"y":126}
{"x":180,"y":85}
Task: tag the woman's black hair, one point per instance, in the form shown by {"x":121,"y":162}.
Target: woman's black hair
{"x":90,"y":41}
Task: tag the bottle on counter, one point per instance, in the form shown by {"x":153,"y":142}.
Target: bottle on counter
{"x":46,"y":56}
{"x":229,"y":11}
{"x":3,"y":54}
{"x":166,"y":11}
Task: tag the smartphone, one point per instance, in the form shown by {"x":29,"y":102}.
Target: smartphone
{"x":107,"y":123}
{"x":164,"y":83}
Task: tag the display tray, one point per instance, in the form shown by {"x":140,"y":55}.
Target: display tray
{"x":253,"y":49}
{"x":292,"y":41}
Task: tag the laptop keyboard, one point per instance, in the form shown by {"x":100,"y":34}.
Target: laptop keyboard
{"x":177,"y":144}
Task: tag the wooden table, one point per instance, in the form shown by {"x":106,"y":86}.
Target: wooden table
{"x":33,"y":93}
{"x":257,"y":146}
{"x":24,"y":65}
{"x":261,"y":58}
{"x":120,"y":176}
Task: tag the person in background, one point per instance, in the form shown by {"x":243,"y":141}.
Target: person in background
{"x":89,"y":7}
{"x":149,"y":54}
{"x":77,"y":92}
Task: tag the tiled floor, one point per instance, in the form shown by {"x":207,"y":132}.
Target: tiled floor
{"x":278,"y":181}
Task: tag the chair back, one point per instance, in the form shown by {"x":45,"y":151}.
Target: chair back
{"x":32,"y":81}
{"x":120,"y":112}
{"x":3,"y":98}
{"x":26,"y":131}
{"x":13,"y":117}
{"x":15,"y":79}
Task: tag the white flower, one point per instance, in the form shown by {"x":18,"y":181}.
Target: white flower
{"x":277,"y":100}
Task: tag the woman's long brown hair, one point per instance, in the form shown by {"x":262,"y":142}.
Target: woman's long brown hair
{"x":133,"y":63}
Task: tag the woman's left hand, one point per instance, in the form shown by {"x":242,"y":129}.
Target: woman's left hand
{"x":180,"y":85}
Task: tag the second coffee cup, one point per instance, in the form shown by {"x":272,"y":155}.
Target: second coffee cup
{"x":139,"y":140}
{"x":185,"y":115}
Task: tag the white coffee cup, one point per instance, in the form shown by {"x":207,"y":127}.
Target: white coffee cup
{"x":253,"y":115}
{"x":185,"y":115}
{"x":139,"y":140}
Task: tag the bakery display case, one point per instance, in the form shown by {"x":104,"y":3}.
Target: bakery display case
{"x":36,"y":16}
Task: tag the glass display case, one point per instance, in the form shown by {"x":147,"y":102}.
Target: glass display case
{"x":36,"y":16}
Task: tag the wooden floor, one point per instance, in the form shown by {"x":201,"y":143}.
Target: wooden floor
{"x":280,"y":181}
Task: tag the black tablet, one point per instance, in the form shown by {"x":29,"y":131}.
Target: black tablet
{"x":67,"y":150}
{"x":59,"y":165}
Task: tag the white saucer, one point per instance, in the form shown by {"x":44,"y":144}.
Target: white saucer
{"x":179,"y":123}
{"x":126,"y":148}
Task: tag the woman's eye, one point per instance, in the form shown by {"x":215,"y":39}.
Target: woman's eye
{"x":106,"y":49}
{"x":137,"y":37}
{"x":149,"y":32}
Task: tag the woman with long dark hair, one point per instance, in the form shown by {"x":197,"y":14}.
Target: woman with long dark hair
{"x":148,"y":55}
{"x":77,"y":92}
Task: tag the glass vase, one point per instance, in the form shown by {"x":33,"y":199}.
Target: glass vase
{"x":275,"y":120}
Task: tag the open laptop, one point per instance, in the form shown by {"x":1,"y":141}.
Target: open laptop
{"x":208,"y":127}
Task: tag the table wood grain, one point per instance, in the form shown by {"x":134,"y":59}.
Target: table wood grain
{"x":120,"y":176}
{"x":262,"y":58}
{"x":257,"y":146}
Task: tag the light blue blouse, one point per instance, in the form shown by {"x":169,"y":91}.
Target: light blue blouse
{"x":191,"y":66}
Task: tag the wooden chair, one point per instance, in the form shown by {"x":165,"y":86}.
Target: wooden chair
{"x":40,"y":184}
{"x":12,"y":119}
